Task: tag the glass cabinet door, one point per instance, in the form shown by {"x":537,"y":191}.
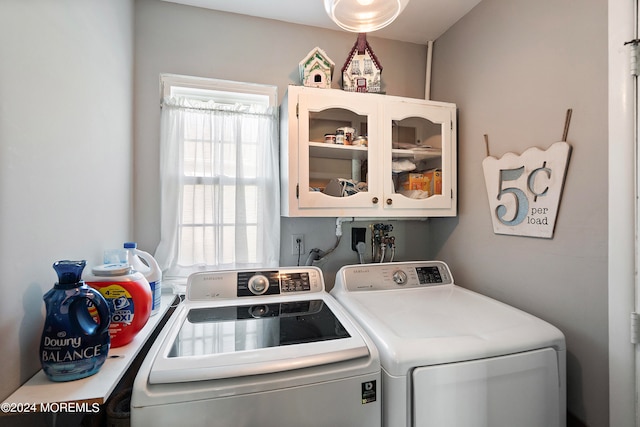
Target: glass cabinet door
{"x":337,"y":150}
{"x":418,"y":161}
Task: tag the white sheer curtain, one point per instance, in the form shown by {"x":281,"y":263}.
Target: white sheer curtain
{"x":219,"y":186}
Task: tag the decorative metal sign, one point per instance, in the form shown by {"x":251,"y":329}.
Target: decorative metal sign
{"x":524,"y":190}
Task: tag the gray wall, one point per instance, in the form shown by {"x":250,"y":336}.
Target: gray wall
{"x":65,"y":154}
{"x":514,"y":67}
{"x":178,"y":39}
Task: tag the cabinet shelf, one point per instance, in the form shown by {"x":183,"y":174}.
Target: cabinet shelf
{"x":334,"y":151}
{"x":354,"y":152}
{"x":419,"y":153}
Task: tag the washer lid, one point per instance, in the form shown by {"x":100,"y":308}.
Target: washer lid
{"x":444,"y":324}
{"x":224,"y":341}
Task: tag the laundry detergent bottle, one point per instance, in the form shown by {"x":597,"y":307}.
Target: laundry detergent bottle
{"x":129,"y":297}
{"x":146,"y":264}
{"x":75,"y":339}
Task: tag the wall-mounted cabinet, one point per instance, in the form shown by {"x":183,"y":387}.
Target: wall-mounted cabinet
{"x":366,"y":155}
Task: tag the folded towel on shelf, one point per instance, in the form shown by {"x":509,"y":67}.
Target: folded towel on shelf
{"x":404,"y":165}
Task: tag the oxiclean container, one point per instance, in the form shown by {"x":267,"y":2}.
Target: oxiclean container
{"x":128,"y":295}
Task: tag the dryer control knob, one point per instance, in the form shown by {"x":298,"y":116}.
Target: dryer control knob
{"x":258,"y":284}
{"x":399,"y":277}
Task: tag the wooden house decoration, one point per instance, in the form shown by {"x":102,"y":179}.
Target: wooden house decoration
{"x":362,"y":72}
{"x":316,"y":69}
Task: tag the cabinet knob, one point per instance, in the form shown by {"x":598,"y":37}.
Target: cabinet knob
{"x":389,"y":201}
{"x":374,"y":200}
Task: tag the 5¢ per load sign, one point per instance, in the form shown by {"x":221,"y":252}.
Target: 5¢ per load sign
{"x":524,"y":190}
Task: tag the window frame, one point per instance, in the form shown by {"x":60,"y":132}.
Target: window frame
{"x":174,"y":84}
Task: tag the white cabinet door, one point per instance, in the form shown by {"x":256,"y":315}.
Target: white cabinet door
{"x":419,"y":156}
{"x":331,"y":175}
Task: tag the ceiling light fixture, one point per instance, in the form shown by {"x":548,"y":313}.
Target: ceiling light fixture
{"x":364,"y":16}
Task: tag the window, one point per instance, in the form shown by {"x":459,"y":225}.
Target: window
{"x":368,"y":66}
{"x":219,"y":176}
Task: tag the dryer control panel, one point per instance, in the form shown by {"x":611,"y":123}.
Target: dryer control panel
{"x":212,"y":285}
{"x":393,"y":275}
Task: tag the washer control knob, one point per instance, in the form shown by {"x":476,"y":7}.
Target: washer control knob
{"x":258,"y":284}
{"x":399,"y":277}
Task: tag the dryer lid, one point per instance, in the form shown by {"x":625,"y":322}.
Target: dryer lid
{"x":444,"y":324}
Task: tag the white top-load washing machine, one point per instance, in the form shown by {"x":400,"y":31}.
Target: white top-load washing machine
{"x":452,"y":357}
{"x":259,"y":348}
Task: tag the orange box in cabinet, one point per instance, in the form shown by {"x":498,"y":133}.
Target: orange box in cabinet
{"x":415,"y":181}
{"x":435,"y":176}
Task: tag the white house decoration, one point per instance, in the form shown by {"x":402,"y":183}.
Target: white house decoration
{"x":524,"y":190}
{"x":362,"y":72}
{"x":316,"y":69}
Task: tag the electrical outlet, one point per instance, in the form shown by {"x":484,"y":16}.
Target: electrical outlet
{"x":357,"y":235}
{"x":297,"y":244}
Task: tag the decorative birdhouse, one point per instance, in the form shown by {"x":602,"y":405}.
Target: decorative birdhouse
{"x":316,"y":69}
{"x":362,"y":72}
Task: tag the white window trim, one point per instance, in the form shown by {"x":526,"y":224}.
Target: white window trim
{"x":174,"y":84}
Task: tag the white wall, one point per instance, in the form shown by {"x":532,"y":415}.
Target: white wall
{"x":514,"y":67}
{"x":65,"y":154}
{"x":178,"y":39}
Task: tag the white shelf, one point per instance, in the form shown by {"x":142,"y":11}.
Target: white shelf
{"x":418,"y":154}
{"x":98,"y":387}
{"x":356,"y":152}
{"x":336,"y":151}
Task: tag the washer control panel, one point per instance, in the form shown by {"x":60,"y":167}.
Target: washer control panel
{"x":394,"y":275}
{"x":258,"y":283}
{"x":212,"y":285}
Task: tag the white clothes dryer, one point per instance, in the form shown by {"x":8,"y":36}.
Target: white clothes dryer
{"x":453,"y":357}
{"x":259,"y":348}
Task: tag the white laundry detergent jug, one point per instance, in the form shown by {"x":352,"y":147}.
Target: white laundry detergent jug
{"x":145,"y":263}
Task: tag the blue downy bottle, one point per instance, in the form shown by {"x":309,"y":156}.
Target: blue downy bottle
{"x":75,"y":339}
